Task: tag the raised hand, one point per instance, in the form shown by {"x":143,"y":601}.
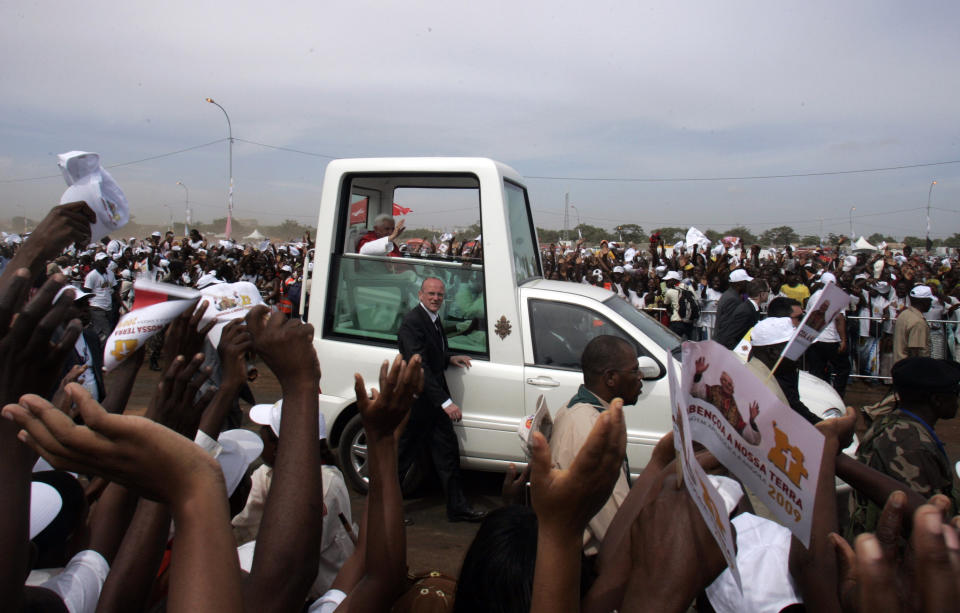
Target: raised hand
{"x":570,"y":497}
{"x":60,"y":398}
{"x":183,"y":336}
{"x":839,"y":429}
{"x":64,"y":225}
{"x":174,"y":404}
{"x":382,"y":411}
{"x":159,"y":464}
{"x":29,"y":361}
{"x":235,"y":341}
{"x":565,"y":500}
{"x":674,"y":555}
{"x":133,"y":451}
{"x":700,"y":366}
{"x":754,"y":410}
{"x":514,"y":484}
{"x":286,"y":345}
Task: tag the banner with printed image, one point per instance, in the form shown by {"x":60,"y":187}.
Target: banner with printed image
{"x":774,"y":451}
{"x":708,"y":500}
{"x":154,"y":306}
{"x":830,"y":302}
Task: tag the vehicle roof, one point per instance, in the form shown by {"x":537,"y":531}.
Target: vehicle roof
{"x":423,"y":164}
{"x":581,"y":289}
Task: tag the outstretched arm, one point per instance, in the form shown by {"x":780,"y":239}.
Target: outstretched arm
{"x":288,"y":547}
{"x":385,"y":555}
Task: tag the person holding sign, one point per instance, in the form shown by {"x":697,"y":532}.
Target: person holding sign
{"x":829,"y":351}
{"x":721,"y":396}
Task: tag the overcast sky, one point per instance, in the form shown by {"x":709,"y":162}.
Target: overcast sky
{"x":554,"y":89}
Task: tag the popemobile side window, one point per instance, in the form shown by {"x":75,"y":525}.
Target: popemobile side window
{"x":561,"y":331}
{"x":371,"y":289}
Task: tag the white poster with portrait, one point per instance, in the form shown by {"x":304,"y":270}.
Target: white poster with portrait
{"x":772,"y":449}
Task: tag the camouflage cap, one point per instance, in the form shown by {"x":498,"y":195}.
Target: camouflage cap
{"x":926,"y":373}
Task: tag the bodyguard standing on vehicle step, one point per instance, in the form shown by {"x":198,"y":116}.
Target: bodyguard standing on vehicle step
{"x":433,"y":413}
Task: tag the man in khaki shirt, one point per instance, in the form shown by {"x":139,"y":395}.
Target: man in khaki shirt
{"x":911,"y":333}
{"x":610,"y":370}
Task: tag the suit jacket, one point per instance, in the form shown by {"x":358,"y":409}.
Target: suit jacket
{"x":728,"y":303}
{"x":739,"y":323}
{"x":418,"y":334}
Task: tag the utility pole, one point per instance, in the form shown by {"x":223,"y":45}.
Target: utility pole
{"x":566,"y":215}
{"x":929,"y":193}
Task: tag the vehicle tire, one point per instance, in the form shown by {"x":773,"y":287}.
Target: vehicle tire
{"x":352,"y":453}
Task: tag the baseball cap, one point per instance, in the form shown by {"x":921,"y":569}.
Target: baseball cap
{"x":157,"y":234}
{"x":618,"y":269}
{"x":828,"y":277}
{"x":45,"y":503}
{"x":240,"y":448}
{"x":739,"y":275}
{"x":269,"y":415}
{"x":772,"y":331}
{"x":100,"y":256}
{"x":921,"y":291}
{"x":672,"y":276}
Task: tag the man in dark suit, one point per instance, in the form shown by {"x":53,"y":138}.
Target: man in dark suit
{"x":744,"y":316}
{"x":433,"y":413}
{"x":731,"y":299}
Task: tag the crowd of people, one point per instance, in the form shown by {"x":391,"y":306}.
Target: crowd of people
{"x":108,"y":507}
{"x":883,"y":284}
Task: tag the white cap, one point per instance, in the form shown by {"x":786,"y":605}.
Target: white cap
{"x":618,"y":269}
{"x":672,"y":276}
{"x":269,"y":415}
{"x":921,"y":291}
{"x":164,"y":262}
{"x":882,"y":287}
{"x":828,"y":277}
{"x":77,"y":293}
{"x":100,"y":256}
{"x":739,"y":275}
{"x":286,"y":268}
{"x":155,"y":233}
{"x":849,"y":262}
{"x":45,"y":503}
{"x":763,"y":554}
{"x":772,"y":331}
{"x":240,"y":448}
{"x":208,"y":279}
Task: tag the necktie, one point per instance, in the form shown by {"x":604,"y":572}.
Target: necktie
{"x":436,"y":323}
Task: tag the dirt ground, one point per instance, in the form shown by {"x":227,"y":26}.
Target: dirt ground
{"x":433,"y":542}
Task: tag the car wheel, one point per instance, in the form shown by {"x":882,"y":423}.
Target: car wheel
{"x":352,"y":453}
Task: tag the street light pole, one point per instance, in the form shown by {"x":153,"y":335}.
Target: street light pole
{"x":929,"y":193}
{"x":578,"y":216}
{"x":852,"y":209}
{"x":186,"y":208}
{"x":230,"y":194}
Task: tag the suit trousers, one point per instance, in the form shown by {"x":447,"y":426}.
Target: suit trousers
{"x":430,"y":427}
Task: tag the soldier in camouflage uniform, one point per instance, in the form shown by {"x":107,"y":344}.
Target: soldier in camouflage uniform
{"x":902,"y":443}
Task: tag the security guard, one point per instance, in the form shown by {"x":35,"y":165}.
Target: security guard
{"x":903,"y":443}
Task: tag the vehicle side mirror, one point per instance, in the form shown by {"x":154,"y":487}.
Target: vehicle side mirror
{"x":649,"y":369}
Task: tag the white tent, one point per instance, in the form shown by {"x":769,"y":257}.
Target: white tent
{"x":863,"y":244}
{"x":254,"y":236}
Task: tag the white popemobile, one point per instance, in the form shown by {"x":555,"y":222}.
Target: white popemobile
{"x":523,"y":333}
